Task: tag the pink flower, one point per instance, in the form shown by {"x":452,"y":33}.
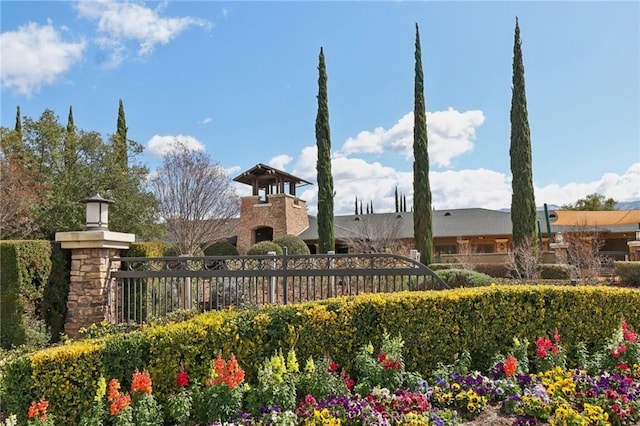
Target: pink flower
{"x":556,"y":336}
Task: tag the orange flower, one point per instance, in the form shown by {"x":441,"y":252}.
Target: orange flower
{"x":121,"y":403}
{"x":113,"y":390}
{"x":226,"y":372}
{"x":141,"y":382}
{"x":38,"y":409}
{"x":510,"y":366}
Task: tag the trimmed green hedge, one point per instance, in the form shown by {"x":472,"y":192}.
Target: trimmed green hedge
{"x":464,"y":278}
{"x":434,"y":326}
{"x":629,"y":273}
{"x":264,"y":247}
{"x":293,"y":243}
{"x":24,"y":272}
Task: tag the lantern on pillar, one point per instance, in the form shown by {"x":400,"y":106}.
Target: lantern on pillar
{"x":97,"y":213}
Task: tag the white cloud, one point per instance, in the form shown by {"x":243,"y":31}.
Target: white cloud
{"x":625,"y":187}
{"x":280,"y":161}
{"x":124,"y":21}
{"x":160,"y":146}
{"x":35,"y":55}
{"x":206,"y":121}
{"x":451,"y":133}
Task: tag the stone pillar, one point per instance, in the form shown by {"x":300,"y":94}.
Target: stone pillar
{"x":88,"y":300}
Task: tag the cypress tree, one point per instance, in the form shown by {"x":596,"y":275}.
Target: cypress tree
{"x":69,"y":149}
{"x":326,"y":240}
{"x":404,"y":203}
{"x":120,"y":140}
{"x":368,"y":211}
{"x":361,"y":207}
{"x":422,"y":220}
{"x":523,"y":205}
{"x":397,"y":203}
{"x":356,"y":212}
{"x":18,"y":127}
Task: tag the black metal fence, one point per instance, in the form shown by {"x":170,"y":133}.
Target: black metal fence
{"x":148,"y":288}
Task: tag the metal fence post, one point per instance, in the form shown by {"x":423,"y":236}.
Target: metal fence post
{"x":332,"y":278}
{"x":272,"y":280}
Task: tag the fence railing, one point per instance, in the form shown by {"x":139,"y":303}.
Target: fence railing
{"x":148,"y":288}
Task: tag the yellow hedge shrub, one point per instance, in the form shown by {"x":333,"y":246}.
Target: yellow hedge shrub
{"x":435,"y":326}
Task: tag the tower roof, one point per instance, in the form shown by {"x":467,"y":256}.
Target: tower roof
{"x":263,"y":177}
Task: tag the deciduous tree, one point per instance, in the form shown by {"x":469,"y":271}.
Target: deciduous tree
{"x":592,"y":202}
{"x":195,"y":198}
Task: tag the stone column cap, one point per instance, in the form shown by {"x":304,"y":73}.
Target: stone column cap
{"x":95,"y":239}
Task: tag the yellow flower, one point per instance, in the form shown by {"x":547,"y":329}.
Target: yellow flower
{"x":101,"y":390}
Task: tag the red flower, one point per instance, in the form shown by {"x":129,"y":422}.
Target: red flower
{"x":382,"y":357}
{"x":541,"y":352}
{"x":556,"y":336}
{"x":333,"y":366}
{"x":510,"y":366}
{"x":183,"y":379}
{"x":622,"y":366}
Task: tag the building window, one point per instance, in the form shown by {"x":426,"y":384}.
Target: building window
{"x":483,"y":248}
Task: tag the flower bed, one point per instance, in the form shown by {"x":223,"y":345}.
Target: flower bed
{"x":603,"y":389}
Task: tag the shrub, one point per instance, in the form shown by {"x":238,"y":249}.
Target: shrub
{"x":24,"y":272}
{"x":145,"y":249}
{"x":629,"y":272}
{"x":495,"y":270}
{"x":464,"y":278}
{"x":264,"y":247}
{"x":221,"y":248}
{"x":441,"y":266}
{"x":173,"y":250}
{"x":293,"y":243}
{"x":553,"y":271}
{"x":54,"y":304}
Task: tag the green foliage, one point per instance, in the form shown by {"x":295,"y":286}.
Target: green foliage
{"x":124,"y":353}
{"x":628,"y":272}
{"x":464,"y":278}
{"x":482,"y":321}
{"x":592,"y":202}
{"x":422,"y":216}
{"x":221,"y":248}
{"x":24,"y":272}
{"x":384,"y":369}
{"x":293,"y":243}
{"x":16,"y":386}
{"x":174,"y":250}
{"x":440,"y":266}
{"x":145,"y":249}
{"x":553,"y":271}
{"x":276,"y":385}
{"x":54,"y":304}
{"x":523,"y":204}
{"x":264,"y":247}
{"x":68,"y":164}
{"x":326,"y":237}
{"x":495,"y":270}
{"x":321,"y":379}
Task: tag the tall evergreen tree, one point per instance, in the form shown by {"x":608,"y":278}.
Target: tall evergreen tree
{"x":326,"y":239}
{"x":397,"y":202}
{"x":18,"y":127}
{"x":422,"y":220}
{"x":70,"y":142}
{"x":120,"y":140}
{"x":360,"y":207}
{"x":356,"y":212}
{"x":523,"y":204}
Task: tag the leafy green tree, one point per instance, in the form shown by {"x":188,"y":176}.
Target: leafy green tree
{"x":523,"y":204}
{"x":422,"y":217}
{"x":592,"y":202}
{"x":326,"y":239}
{"x":67,"y":164}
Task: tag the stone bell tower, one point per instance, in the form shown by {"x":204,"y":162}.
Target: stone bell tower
{"x":273,"y":209}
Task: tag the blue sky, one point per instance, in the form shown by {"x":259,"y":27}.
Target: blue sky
{"x":239,"y":80}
